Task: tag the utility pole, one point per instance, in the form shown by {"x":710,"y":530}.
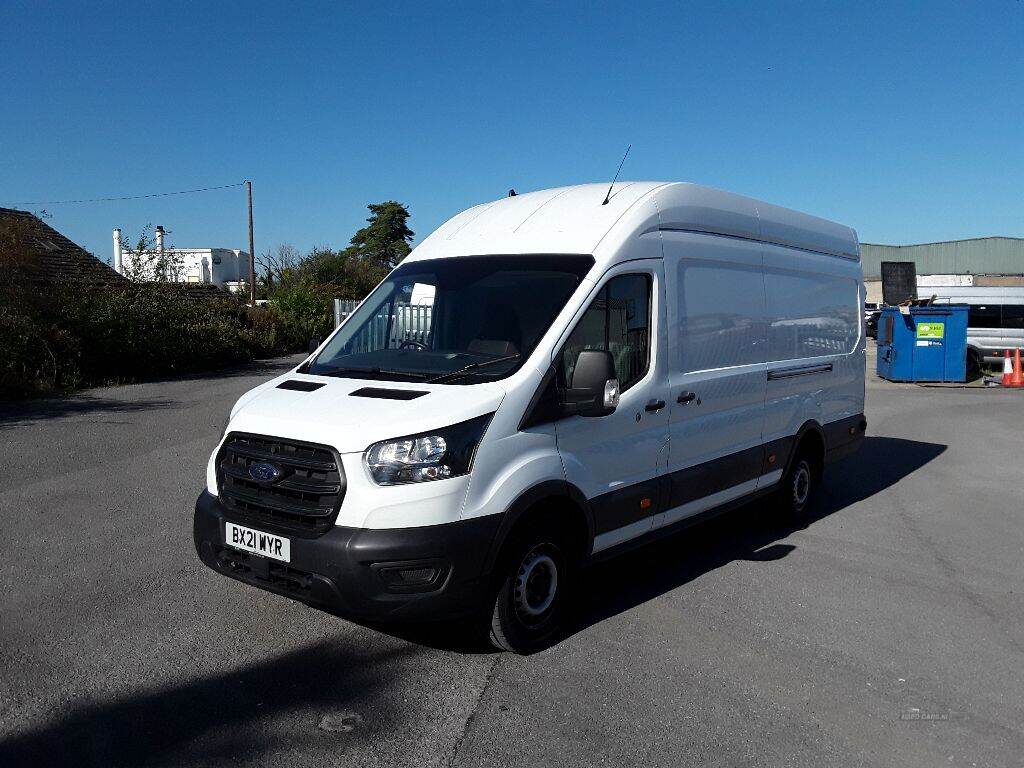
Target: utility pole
{"x":252,"y":252}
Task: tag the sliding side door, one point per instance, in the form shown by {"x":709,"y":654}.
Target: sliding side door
{"x":717,"y":353}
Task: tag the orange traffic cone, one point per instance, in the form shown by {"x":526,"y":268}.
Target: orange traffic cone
{"x":1017,"y":379}
{"x":1007,"y":368}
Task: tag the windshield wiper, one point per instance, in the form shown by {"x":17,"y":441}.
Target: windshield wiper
{"x":385,"y":371}
{"x":458,"y":372}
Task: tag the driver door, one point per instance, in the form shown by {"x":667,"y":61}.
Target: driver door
{"x":617,"y":460}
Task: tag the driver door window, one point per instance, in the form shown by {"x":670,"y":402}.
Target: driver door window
{"x":617,"y":321}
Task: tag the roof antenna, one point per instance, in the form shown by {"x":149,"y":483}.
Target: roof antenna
{"x":609,"y":195}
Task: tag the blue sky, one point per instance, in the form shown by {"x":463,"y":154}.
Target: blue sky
{"x":904,"y":120}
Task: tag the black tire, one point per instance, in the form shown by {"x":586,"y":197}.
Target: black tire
{"x":532,"y":582}
{"x":798,"y":485}
{"x":973,"y":364}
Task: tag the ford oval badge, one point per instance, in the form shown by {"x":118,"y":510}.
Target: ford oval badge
{"x":264,"y":472}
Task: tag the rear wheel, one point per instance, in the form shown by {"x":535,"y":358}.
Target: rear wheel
{"x":529,"y":602}
{"x":796,"y":491}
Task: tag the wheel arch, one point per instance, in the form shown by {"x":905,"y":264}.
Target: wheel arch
{"x":577,"y":520}
{"x":811,"y":435}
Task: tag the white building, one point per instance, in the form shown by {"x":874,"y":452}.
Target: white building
{"x":226,"y":268}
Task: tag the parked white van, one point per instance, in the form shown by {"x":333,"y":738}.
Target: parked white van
{"x":586,"y":377}
{"x":995,"y":320}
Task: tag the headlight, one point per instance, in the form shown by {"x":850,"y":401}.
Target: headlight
{"x":432,"y":455}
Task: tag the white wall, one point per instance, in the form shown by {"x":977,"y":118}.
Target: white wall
{"x":196,"y":265}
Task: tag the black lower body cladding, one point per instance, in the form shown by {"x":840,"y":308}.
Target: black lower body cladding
{"x":622,"y":506}
{"x":844,"y":437}
{"x":399,"y":574}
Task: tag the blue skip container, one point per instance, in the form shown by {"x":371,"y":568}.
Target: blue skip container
{"x":928,"y":344}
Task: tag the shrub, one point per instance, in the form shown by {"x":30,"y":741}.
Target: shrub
{"x":306,"y":311}
{"x":73,"y":336}
{"x":34,"y":358}
{"x":143,"y":330}
{"x":264,"y":333}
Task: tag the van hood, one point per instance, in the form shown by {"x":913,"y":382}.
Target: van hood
{"x":333,"y":415}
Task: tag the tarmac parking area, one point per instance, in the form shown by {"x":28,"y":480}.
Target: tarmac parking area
{"x":888,"y":631}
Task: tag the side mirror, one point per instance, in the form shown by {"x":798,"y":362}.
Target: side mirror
{"x":594,"y":390}
{"x":314,"y":343}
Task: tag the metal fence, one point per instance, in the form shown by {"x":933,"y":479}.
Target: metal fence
{"x":342,"y":309}
{"x":408,"y":323}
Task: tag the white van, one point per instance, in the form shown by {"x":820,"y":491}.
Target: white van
{"x":995,"y":320}
{"x":576,"y":378}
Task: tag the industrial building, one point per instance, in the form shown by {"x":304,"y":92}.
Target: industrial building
{"x":980,"y":261}
{"x":226,"y":268}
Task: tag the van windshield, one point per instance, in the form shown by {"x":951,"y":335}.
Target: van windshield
{"x":459,"y":320}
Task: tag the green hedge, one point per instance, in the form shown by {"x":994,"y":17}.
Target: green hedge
{"x":304,"y":311}
{"x":69,"y":337}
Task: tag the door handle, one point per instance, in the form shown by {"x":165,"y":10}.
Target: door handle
{"x":654,"y":405}
{"x":686,"y":397}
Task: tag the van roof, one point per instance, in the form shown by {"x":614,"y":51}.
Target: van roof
{"x":573,"y":220}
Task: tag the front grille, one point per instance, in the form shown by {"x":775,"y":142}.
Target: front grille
{"x":304,"y":499}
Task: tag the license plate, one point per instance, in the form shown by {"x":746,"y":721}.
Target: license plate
{"x":258,"y":542}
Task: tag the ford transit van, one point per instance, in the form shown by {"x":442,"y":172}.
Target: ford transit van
{"x":547,"y":379}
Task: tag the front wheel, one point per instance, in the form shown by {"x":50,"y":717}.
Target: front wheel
{"x":529,"y":603}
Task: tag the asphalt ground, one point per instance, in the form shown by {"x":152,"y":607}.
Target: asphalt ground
{"x":887,"y":631}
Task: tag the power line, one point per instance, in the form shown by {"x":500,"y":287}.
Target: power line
{"x":133,"y":197}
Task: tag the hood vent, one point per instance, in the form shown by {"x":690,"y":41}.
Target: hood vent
{"x":388,"y":394}
{"x":298,"y":385}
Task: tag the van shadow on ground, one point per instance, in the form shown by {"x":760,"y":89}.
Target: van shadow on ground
{"x":231,"y":713}
{"x":748,"y":533}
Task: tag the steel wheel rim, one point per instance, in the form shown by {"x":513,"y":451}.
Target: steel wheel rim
{"x":536,"y":584}
{"x":801,"y":484}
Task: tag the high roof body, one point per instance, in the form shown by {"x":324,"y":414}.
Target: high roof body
{"x":573,"y":220}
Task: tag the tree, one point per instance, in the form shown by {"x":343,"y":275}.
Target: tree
{"x":278,"y":266}
{"x":143,"y":262}
{"x":349,"y":273}
{"x":325,"y":266}
{"x":386,"y":238}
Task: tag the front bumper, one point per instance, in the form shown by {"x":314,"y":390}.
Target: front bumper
{"x":358,"y":572}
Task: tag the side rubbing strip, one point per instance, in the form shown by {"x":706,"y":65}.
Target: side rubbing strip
{"x":679,"y":511}
{"x":619,"y":535}
{"x":802,"y":370}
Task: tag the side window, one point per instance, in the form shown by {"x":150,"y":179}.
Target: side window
{"x":811,"y":313}
{"x":617,"y":321}
{"x":984,"y":316}
{"x":1013,"y":316}
{"x":721,"y":314}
